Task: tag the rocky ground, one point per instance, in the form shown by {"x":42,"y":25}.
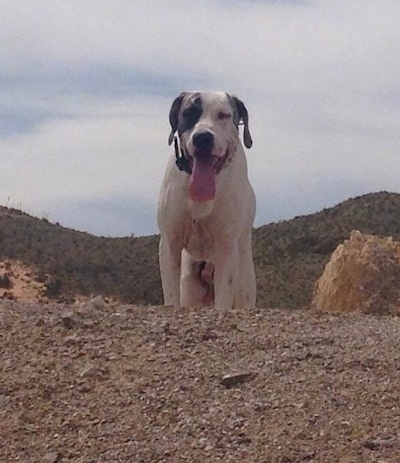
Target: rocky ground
{"x":95,"y":384}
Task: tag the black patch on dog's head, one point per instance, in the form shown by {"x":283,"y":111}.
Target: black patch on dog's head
{"x":185,"y":111}
{"x":190,"y":114}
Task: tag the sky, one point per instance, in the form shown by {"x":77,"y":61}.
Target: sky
{"x":86,"y":87}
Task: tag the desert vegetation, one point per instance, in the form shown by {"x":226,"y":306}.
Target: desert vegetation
{"x":289,"y":255}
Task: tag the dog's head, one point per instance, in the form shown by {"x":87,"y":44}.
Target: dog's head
{"x":207,"y":124}
{"x":217,"y":113}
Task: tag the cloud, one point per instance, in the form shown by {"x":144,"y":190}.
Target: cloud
{"x":105,"y":147}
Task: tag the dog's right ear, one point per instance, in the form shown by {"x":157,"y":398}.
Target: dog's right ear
{"x":173,"y":116}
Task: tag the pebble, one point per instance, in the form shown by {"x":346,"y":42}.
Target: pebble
{"x":98,"y":302}
{"x":52,"y":457}
{"x":232,"y":380}
{"x":89,"y":370}
{"x":68,"y":320}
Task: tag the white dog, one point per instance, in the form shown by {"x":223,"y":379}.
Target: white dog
{"x":207,"y":205}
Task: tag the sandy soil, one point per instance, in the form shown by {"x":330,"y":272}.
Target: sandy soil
{"x":136,"y":384}
{"x":23,"y":283}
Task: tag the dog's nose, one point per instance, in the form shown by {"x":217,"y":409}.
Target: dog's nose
{"x":203,"y":140}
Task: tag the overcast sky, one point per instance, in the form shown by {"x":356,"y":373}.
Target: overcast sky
{"x":86,"y":87}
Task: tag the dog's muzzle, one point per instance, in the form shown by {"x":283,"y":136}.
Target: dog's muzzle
{"x":202,"y":166}
{"x":203,"y":141}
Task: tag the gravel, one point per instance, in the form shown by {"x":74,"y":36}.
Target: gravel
{"x":154,"y":384}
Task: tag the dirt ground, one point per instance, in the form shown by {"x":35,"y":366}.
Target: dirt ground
{"x":146,"y":384}
{"x":23,"y":284}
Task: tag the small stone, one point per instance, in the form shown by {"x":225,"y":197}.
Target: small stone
{"x":70,"y":341}
{"x":370,"y":444}
{"x":98,"y":302}
{"x":348,"y":459}
{"x":301,"y":379}
{"x":88,"y":323}
{"x":375,"y":444}
{"x":210,"y":335}
{"x":39,"y":321}
{"x":9,"y":295}
{"x":90,"y":307}
{"x":52,"y":457}
{"x":117,"y":318}
{"x":166,"y":328}
{"x":298,"y":404}
{"x":68,"y":320}
{"x":235,"y":379}
{"x":89,"y":370}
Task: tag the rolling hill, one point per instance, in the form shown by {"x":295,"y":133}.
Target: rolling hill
{"x":289,"y":255}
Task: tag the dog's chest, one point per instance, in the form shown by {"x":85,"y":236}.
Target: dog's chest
{"x":198,"y":240}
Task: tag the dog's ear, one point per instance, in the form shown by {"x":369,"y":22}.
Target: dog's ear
{"x":173,"y":116}
{"x":243,"y":115}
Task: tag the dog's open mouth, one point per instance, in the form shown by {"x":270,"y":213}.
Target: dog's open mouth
{"x":205,"y":168}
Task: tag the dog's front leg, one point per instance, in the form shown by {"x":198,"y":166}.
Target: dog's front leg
{"x":226,"y":274}
{"x":170,"y":253}
{"x":245,"y":296}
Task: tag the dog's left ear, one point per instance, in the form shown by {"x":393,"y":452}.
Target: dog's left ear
{"x":173,"y":116}
{"x":243,"y":115}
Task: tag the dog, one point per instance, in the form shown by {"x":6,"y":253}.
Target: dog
{"x":207,"y":206}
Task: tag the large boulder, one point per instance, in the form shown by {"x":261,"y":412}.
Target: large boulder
{"x":363,"y":275}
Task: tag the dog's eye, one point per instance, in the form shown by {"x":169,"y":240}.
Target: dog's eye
{"x":190,"y":116}
{"x":192,"y":112}
{"x":222,"y":115}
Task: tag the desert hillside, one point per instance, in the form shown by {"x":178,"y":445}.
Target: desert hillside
{"x":289,"y":255}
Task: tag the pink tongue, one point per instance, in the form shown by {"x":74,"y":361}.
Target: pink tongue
{"x":202,"y":180}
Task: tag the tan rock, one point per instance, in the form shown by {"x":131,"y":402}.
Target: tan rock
{"x":363,"y":275}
